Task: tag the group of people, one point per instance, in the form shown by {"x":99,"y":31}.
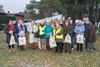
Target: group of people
{"x":60,"y":35}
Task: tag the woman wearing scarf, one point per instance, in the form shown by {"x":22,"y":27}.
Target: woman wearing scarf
{"x":10,"y":36}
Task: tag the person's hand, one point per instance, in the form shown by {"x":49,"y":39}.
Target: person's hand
{"x":68,"y":34}
{"x":10,"y":32}
{"x":54,"y":34}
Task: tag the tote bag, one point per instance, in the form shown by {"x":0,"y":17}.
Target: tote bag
{"x":67,"y":39}
{"x":39,"y":44}
{"x":12,"y":40}
{"x":31,"y":38}
{"x":80,"y":38}
{"x":22,"y":40}
{"x":52,"y":42}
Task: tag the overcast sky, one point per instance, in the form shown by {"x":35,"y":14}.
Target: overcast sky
{"x":14,"y":6}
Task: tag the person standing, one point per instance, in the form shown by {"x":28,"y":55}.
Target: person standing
{"x":79,"y":34}
{"x":67,"y":31}
{"x":91,"y":37}
{"x":48,"y":32}
{"x":33,"y":29}
{"x":59,"y":37}
{"x":87,"y":25}
{"x":21,"y":30}
{"x":42,"y":35}
{"x":10,"y":36}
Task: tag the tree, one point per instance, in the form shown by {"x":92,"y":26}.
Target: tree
{"x":66,"y":7}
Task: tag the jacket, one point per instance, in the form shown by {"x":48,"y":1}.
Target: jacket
{"x":67,"y":30}
{"x":41,"y":31}
{"x":48,"y":31}
{"x":17,"y":30}
{"x":91,"y":35}
{"x":79,"y":29}
{"x":8,"y":36}
{"x":59,"y":34}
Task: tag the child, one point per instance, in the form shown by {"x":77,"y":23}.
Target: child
{"x":79,"y":34}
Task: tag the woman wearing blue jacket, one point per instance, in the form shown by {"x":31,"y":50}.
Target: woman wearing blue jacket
{"x":48,"y":31}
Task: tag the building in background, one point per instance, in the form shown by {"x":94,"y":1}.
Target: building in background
{"x":1,"y":9}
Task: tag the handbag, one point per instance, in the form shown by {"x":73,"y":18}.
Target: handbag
{"x":12,"y":40}
{"x":67,"y":39}
{"x":52,"y":42}
{"x":80,"y":38}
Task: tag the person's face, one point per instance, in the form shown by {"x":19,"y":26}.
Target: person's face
{"x":32,"y":22}
{"x":20,"y":21}
{"x":69,"y":18}
{"x":80,"y":22}
{"x":71,"y":21}
{"x":53,"y":23}
{"x":87,"y":21}
{"x":83,"y":22}
{"x":66,"y":22}
{"x":57,"y":25}
{"x":10,"y":22}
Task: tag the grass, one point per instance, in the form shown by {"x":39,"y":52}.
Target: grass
{"x":42,"y":58}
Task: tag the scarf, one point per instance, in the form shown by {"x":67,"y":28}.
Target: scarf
{"x":11,"y":27}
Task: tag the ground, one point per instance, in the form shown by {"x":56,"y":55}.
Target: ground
{"x":42,"y":58}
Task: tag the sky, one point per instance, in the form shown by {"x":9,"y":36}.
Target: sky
{"x":14,"y":6}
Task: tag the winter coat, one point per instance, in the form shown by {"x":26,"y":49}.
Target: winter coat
{"x":67,"y":30}
{"x":33,"y":29}
{"x":8,"y":35}
{"x":91,"y":36}
{"x":86,"y":30}
{"x":48,"y":31}
{"x":17,"y":30}
{"x":59,"y":34}
{"x":79,"y":29}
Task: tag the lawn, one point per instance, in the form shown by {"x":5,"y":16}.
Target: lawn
{"x":42,"y":58}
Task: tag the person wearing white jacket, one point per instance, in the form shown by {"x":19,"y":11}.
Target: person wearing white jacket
{"x":33,"y":29}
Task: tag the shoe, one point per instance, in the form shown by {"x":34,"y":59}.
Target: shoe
{"x":94,"y":49}
{"x":9,"y":51}
{"x":13,"y":50}
{"x":72,"y":49}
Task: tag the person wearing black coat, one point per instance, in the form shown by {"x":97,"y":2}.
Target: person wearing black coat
{"x":68,"y":29}
{"x":91,"y":37}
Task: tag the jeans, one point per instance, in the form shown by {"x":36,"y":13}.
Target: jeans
{"x":90,"y":46}
{"x":73,"y":42}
